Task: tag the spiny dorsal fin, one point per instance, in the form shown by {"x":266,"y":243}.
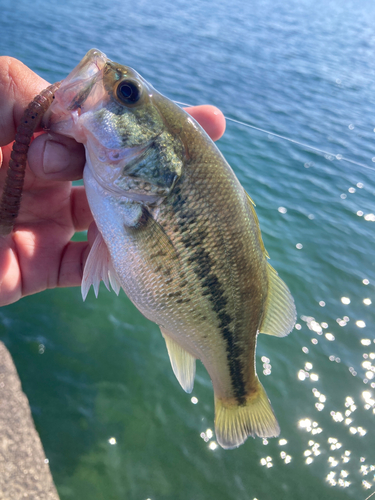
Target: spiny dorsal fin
{"x":251,"y":205}
{"x":183,"y":363}
{"x":99,"y":268}
{"x":234,"y":422}
{"x":280,"y":312}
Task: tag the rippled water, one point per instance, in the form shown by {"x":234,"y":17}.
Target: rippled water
{"x":113,"y":420}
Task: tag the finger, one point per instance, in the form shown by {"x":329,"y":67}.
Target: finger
{"x":10,"y":277}
{"x":70,"y":271}
{"x":72,"y":264}
{"x":92,"y":233}
{"x":55,"y":157}
{"x":81,"y":213}
{"x":18,"y":87}
{"x":74,"y":259}
{"x":210,"y":118}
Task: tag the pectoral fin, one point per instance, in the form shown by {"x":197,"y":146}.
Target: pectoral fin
{"x":182,"y":362}
{"x":99,"y":268}
{"x":280,"y":312}
{"x":153,"y":242}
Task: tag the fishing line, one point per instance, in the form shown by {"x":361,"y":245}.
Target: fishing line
{"x":319,"y":151}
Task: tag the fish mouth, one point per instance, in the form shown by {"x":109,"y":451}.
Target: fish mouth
{"x":83,"y":78}
{"x":77,"y":88}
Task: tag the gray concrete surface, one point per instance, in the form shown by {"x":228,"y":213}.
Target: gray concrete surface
{"x":24,"y":473}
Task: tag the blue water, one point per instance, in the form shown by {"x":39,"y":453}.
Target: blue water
{"x":98,"y":370}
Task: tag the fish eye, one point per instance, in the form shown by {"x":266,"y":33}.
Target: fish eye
{"x":128,"y":91}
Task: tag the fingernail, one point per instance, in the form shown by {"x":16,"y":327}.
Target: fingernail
{"x":56,"y":157}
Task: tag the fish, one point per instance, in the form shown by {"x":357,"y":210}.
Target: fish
{"x":178,"y":233}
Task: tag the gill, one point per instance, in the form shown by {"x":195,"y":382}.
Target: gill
{"x":328,"y":155}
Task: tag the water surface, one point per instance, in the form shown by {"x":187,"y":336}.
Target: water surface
{"x":113,"y":420}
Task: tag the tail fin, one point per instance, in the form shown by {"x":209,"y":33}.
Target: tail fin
{"x":234,"y":423}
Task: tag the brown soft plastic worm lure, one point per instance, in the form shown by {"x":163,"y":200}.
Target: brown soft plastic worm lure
{"x":11,"y":198}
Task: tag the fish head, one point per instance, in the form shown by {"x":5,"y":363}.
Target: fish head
{"x":132,"y":147}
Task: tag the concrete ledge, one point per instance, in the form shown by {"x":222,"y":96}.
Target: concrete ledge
{"x":24,"y":474}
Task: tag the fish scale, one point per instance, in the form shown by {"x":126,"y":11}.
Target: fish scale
{"x":215,"y":261}
{"x":179,"y":234}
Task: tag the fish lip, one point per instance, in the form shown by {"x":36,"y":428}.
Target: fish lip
{"x":93,"y":59}
{"x":80,"y":98}
{"x":74,"y":90}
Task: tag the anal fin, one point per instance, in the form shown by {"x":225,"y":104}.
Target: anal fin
{"x":234,"y":422}
{"x":99,"y":268}
{"x":183,"y":363}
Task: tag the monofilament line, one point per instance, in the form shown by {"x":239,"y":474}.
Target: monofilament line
{"x":312,"y":148}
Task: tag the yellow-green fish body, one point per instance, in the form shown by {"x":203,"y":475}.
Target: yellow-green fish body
{"x":179,"y":234}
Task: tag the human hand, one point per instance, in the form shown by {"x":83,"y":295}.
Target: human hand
{"x":39,"y":253}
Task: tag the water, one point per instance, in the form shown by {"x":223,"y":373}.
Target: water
{"x":97,"y":372}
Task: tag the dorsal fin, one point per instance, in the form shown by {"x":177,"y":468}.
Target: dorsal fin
{"x":251,"y":205}
{"x":183,"y":363}
{"x":99,"y":268}
{"x":280,"y":312}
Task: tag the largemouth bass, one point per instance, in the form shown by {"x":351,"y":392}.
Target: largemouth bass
{"x":178,"y":233}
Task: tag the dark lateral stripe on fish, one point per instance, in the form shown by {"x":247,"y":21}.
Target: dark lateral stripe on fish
{"x":212,"y":288}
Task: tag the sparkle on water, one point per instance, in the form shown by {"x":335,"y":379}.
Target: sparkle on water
{"x":327,"y":406}
{"x":344,"y":415}
{"x":354,"y":468}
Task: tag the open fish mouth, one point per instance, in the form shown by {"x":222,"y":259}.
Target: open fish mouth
{"x":78,"y":92}
{"x":79,"y":84}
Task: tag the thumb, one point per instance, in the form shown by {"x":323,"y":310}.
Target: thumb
{"x":55,"y":157}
